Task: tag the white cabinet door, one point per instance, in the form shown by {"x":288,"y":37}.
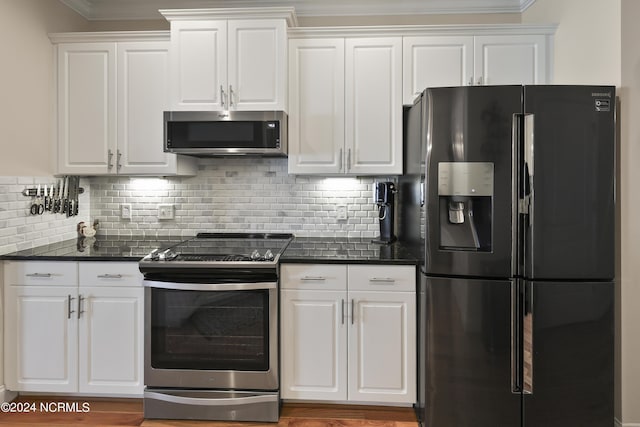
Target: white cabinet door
{"x":257,"y":64}
{"x":110,"y":340}
{"x":86,"y":108}
{"x":373,"y":99}
{"x":314,"y":345}
{"x":382,"y":347}
{"x":41,"y":338}
{"x":316,"y":106}
{"x":199,"y":65}
{"x":437,"y":61}
{"x":143,"y":91}
{"x":510,"y":59}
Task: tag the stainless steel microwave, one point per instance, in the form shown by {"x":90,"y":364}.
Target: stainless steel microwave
{"x":225,"y":133}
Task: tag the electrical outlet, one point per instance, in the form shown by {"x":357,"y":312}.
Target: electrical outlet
{"x":125,"y":211}
{"x":341,"y":212}
{"x":165,"y":212}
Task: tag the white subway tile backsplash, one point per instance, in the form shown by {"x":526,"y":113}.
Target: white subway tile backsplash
{"x":227,"y":195}
{"x":238,"y":195}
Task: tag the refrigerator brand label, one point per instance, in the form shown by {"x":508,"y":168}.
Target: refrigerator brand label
{"x":603,"y":105}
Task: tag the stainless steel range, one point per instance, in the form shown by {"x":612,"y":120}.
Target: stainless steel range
{"x":211,"y":328}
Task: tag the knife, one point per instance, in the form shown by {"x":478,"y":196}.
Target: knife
{"x":56,"y":203}
{"x":69,"y":199}
{"x":46,"y":198}
{"x":65,"y":194}
{"x":77,"y":202}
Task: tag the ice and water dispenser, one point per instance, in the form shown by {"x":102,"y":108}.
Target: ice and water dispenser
{"x":465,"y":194}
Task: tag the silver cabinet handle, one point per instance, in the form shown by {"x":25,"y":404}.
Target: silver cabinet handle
{"x":230,"y":96}
{"x":80,"y":310}
{"x":349,"y":159}
{"x":110,"y":159}
{"x":341,"y":157}
{"x":382,"y":280}
{"x":69,"y":311}
{"x":470,"y":82}
{"x":109,"y":276}
{"x":480,"y":81}
{"x":222,"y":96}
{"x":342,"y":312}
{"x":353,"y":312}
{"x":38,"y":275}
{"x":313,"y":278}
{"x":119,"y":157}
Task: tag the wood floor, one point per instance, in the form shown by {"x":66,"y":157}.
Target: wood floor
{"x":128,"y":412}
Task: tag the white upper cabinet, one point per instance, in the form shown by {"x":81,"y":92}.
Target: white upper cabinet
{"x":86,"y":107}
{"x":316,"y":106}
{"x":373,"y":101}
{"x":511,"y":55}
{"x":111,"y":96}
{"x":143,"y":93}
{"x":228,"y":62}
{"x":198,"y":65}
{"x":345,"y":103}
{"x":435,"y":61}
{"x":503,"y":60}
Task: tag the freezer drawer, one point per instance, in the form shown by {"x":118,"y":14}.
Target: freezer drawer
{"x":465,"y":367}
{"x":573,"y":360}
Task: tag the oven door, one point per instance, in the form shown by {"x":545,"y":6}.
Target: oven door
{"x":211,"y":335}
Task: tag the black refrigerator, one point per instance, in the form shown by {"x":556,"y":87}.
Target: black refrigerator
{"x":517,"y":216}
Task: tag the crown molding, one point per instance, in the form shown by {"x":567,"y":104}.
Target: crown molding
{"x":422,"y":30}
{"x":287,"y":13}
{"x":110,"y":36}
{"x":149,"y":9}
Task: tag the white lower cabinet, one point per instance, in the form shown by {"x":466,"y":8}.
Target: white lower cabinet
{"x":348,"y":333}
{"x":81,"y":337}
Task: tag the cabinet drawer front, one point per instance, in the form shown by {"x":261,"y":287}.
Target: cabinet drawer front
{"x":382,"y":278}
{"x":41,"y":273}
{"x":314,"y":276}
{"x":110,"y":274}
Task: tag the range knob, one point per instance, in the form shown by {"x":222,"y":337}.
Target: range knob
{"x":255,"y":255}
{"x":269,"y":255}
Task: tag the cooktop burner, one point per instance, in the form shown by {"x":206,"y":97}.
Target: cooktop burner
{"x":217,"y":250}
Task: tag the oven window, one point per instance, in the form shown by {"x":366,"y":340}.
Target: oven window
{"x":210,"y":330}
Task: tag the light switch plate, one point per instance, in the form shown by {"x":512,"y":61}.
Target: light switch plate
{"x":165,"y":212}
{"x":341,"y":212}
{"x":125,"y":211}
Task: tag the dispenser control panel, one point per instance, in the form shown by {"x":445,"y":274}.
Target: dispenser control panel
{"x":465,"y":179}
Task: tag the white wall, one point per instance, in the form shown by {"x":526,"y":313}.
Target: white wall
{"x":26,"y":79}
{"x":587,"y":42}
{"x":630,"y":201}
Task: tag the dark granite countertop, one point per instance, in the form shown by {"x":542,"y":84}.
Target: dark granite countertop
{"x":100,"y":248}
{"x":300,"y":250}
{"x":346,"y":251}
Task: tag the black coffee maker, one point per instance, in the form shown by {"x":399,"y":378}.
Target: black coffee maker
{"x":383,"y":196}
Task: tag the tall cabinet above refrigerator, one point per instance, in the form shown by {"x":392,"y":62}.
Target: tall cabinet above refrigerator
{"x":517,"y":291}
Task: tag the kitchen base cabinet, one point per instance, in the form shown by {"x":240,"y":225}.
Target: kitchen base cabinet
{"x":85,"y":336}
{"x":348,"y":333}
{"x":40,"y":340}
{"x":109,"y":349}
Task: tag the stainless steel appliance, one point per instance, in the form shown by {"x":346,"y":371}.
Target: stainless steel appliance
{"x":211,"y":328}
{"x":516,"y":301}
{"x":225,"y":133}
{"x":384,"y":197}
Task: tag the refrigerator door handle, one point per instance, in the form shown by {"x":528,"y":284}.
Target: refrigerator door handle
{"x":516,"y":336}
{"x":527,"y":340}
{"x":526,"y":202}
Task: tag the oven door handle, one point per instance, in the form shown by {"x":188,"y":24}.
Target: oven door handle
{"x":207,"y":401}
{"x":209,"y":286}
